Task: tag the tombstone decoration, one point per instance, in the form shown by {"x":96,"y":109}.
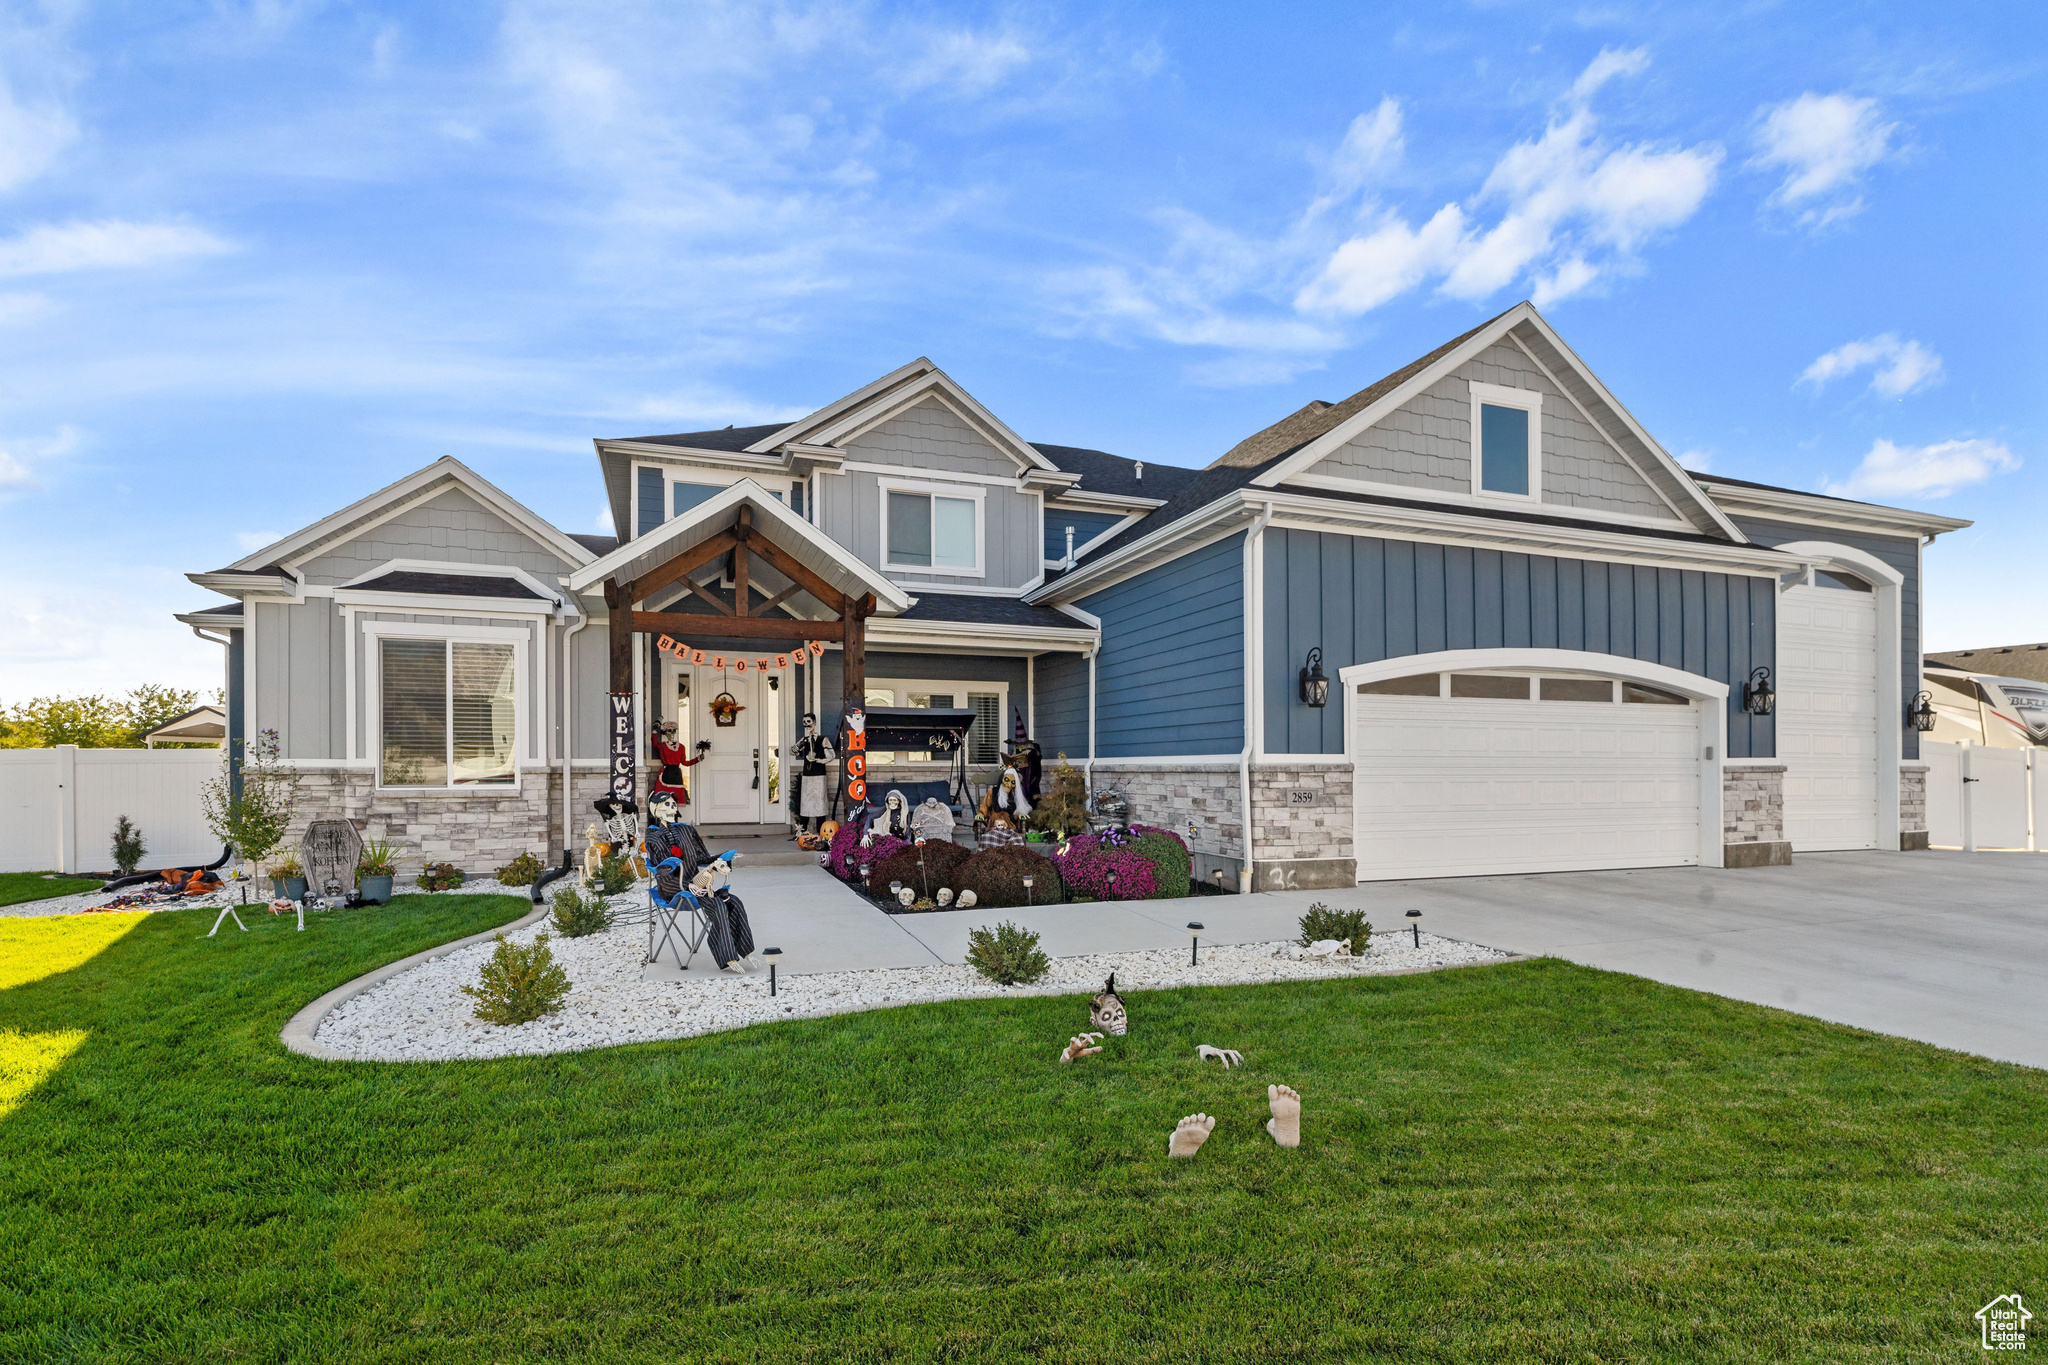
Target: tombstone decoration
{"x":329,"y":852}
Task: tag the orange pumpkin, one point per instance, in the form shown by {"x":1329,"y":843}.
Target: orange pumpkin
{"x":828,"y":829}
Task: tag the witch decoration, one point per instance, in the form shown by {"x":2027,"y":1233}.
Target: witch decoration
{"x":1004,"y":809}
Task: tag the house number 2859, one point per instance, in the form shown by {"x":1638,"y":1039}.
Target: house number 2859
{"x":1300,"y":796}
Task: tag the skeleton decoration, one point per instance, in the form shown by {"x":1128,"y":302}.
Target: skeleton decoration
{"x":932,"y":820}
{"x":1203,"y":1053}
{"x":1106,"y":1011}
{"x":813,"y":752}
{"x":895,"y":817}
{"x":1079,"y":1046}
{"x":906,"y":897}
{"x":965,"y":902}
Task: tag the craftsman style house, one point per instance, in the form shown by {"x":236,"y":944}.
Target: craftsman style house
{"x":1471,"y":619}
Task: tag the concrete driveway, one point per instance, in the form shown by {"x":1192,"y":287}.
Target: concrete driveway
{"x":1946,"y":948}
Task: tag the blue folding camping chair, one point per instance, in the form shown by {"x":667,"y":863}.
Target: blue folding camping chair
{"x":680,"y":918}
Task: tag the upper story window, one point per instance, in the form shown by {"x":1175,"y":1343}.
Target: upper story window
{"x":448,"y":712}
{"x":932,"y":528}
{"x":660,"y":494}
{"x":1507,"y":426}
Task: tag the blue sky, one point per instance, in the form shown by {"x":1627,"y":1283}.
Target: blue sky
{"x":257,"y":260}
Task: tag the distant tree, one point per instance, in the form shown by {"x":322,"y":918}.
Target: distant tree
{"x":151,"y":705}
{"x":94,"y":722}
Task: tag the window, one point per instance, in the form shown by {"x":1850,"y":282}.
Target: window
{"x":1507,"y":441}
{"x":985,"y":740}
{"x":931,"y":532}
{"x":1653,"y":696}
{"x":449,"y":713}
{"x":1576,"y":689}
{"x":1846,"y":582}
{"x":1492,"y":685}
{"x":987,"y":700}
{"x":1414,"y":685}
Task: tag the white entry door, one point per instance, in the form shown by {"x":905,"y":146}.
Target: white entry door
{"x":1476,"y":774}
{"x":1827,"y":713}
{"x":723,"y":787}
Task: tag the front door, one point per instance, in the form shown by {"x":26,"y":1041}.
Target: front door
{"x":726,"y":792}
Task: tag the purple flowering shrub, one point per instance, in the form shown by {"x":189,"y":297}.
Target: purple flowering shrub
{"x":843,"y":860}
{"x":1086,"y":861}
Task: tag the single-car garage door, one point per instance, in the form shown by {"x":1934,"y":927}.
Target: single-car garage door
{"x":1462,"y":774}
{"x":1827,"y":712}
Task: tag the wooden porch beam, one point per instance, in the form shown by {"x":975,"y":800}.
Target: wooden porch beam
{"x":827,"y":595}
{"x":687,"y":562}
{"x":684,"y":625}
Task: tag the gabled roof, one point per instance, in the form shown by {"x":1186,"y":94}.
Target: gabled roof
{"x":1769,"y":500}
{"x":418,"y":486}
{"x":727,"y":438}
{"x":1116,"y":476}
{"x":811,"y":547}
{"x":1307,"y":436}
{"x":840,"y":421}
{"x":449,"y":585}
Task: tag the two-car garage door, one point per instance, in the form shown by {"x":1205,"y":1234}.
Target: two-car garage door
{"x":1461,"y":774}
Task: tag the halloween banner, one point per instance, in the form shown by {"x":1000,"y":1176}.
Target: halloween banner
{"x":739,"y":663}
{"x":622,"y":751}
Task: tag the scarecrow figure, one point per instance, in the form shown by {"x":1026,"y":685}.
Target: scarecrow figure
{"x":813,"y":751}
{"x":674,"y":758}
{"x":1004,"y":809}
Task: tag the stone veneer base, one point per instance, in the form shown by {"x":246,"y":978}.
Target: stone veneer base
{"x":1776,"y":853}
{"x":1913,"y":841}
{"x":1304,"y":874}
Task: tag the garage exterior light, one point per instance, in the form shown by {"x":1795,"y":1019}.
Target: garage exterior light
{"x":1757,"y":696}
{"x":1920,"y":715}
{"x":1315,"y":687}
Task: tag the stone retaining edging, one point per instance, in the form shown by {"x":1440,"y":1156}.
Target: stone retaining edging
{"x":297,"y":1034}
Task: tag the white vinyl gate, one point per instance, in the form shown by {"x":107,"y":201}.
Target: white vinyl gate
{"x":1985,"y":798}
{"x":1450,"y":786}
{"x":58,"y":806}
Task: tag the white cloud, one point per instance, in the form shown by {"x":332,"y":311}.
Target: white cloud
{"x":19,"y":458}
{"x":31,"y":137}
{"x":14,"y":473}
{"x":1930,"y":471}
{"x":1698,"y":461}
{"x":1612,"y":62}
{"x":1824,"y":144}
{"x":252,"y":541}
{"x":1573,"y":209}
{"x":55,"y":247}
{"x":1899,"y":366}
{"x":603,"y":523}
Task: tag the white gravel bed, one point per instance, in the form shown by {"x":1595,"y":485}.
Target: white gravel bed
{"x":231,"y":894}
{"x":422,"y":1014}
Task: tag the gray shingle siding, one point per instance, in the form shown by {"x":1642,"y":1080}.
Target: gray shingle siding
{"x":1362,"y":599}
{"x":451,"y":526}
{"x":1901,"y":553}
{"x":1170,"y":677}
{"x":1427,"y":442}
{"x":930,"y":435}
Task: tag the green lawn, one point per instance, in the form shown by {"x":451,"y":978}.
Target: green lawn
{"x":19,"y":887}
{"x":1523,"y":1162}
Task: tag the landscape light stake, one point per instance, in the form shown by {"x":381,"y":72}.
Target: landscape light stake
{"x":774,"y":956}
{"x":1112,"y":885}
{"x":1029,"y":897}
{"x":1194,"y":943}
{"x":1415,"y":923}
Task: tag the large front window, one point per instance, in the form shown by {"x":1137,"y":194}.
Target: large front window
{"x":930,"y":531}
{"x":448,"y":713}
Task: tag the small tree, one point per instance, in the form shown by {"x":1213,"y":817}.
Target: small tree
{"x":1007,"y":955}
{"x":128,"y":846}
{"x":1063,"y":809}
{"x":255,"y":819}
{"x":519,"y":985}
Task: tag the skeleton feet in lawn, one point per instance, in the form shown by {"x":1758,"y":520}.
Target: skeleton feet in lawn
{"x":1285,"y":1125}
{"x":1189,"y":1135}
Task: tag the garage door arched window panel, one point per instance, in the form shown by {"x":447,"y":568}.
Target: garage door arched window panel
{"x":1413,"y":685}
{"x":1492,"y":686}
{"x":1576,"y":689}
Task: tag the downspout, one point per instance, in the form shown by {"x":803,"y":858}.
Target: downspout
{"x":1254,"y":651}
{"x":569,"y":724}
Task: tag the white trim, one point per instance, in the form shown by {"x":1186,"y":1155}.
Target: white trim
{"x":524,"y":756}
{"x":1529,"y":401}
{"x":796,"y":432}
{"x":1338,"y":484}
{"x":934,"y":488}
{"x":1887,"y":582}
{"x":1711,"y":692}
{"x":770,"y":482}
{"x":440,"y":604}
{"x":936,"y":384}
{"x":918,"y":471}
{"x":1813,"y":509}
{"x":548,"y":591}
{"x":1085,"y":500}
{"x":1202,"y":527}
{"x":349,"y":737}
{"x":961,"y":635}
{"x":419,"y":486}
{"x":1197,"y":762}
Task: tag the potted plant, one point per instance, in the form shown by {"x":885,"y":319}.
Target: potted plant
{"x":375,"y":869}
{"x":288,"y":879}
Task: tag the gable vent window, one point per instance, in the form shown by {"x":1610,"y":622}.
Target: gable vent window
{"x":932,"y":532}
{"x":1507,"y":424}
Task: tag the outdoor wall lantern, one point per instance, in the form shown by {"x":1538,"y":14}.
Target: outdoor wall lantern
{"x":1415,"y":924}
{"x":773,"y":957}
{"x":1757,"y":697}
{"x":1194,"y":943}
{"x":1921,"y":713}
{"x":1315,"y":688}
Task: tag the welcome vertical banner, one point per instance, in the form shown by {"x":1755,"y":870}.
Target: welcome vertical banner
{"x":624,"y":754}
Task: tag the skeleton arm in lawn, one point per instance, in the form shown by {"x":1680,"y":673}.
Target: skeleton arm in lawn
{"x":1078,"y":1046}
{"x":1203,"y":1053}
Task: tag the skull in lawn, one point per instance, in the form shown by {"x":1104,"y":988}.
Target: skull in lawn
{"x":944,"y":895}
{"x":1106,"y":1011}
{"x":966,"y":901}
{"x":906,"y":898}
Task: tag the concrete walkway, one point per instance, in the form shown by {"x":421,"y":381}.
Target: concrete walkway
{"x":1946,"y":948}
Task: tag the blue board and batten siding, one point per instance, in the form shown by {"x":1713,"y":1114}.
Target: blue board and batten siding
{"x":1060,"y":704}
{"x":1362,"y":599}
{"x":1901,"y":553}
{"x":1087,"y":526}
{"x":1169,"y":680}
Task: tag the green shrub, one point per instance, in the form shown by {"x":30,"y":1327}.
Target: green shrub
{"x":441,"y":877}
{"x":519,"y":985}
{"x":128,"y":846}
{"x":1171,"y":866}
{"x":379,"y":859}
{"x":578,"y":916}
{"x":1007,"y":955}
{"x":614,"y":876}
{"x":996,"y":877}
{"x":941,"y":861}
{"x":524,"y":870}
{"x":1322,"y":922}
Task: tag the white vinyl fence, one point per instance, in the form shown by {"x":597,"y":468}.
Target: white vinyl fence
{"x":1979,"y":798}
{"x":58,"y":806}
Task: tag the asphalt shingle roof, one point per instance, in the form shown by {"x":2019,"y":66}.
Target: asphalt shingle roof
{"x":1102,"y":472}
{"x":597,"y":545}
{"x":730,"y":438}
{"x":968,"y":609}
{"x":450,"y":585}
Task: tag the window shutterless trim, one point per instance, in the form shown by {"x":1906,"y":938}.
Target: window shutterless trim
{"x":1529,"y":401}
